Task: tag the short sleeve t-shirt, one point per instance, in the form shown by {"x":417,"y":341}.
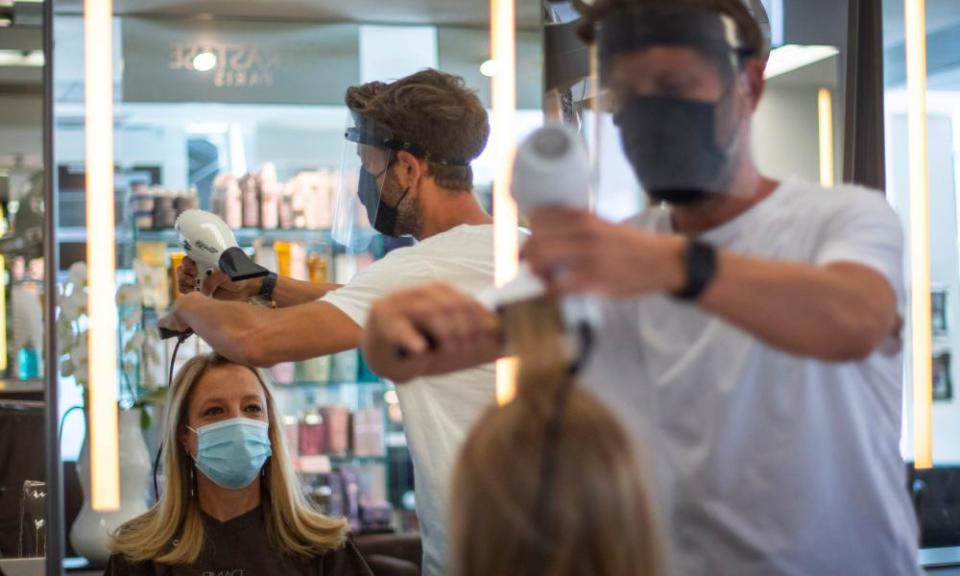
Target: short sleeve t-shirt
{"x":240,"y":547}
{"x":438,"y":411}
{"x":765,"y":462}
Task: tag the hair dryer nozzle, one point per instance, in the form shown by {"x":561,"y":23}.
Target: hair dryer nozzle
{"x":235,"y":263}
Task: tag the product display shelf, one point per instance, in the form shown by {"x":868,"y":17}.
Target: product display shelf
{"x":245,"y":236}
{"x":373,"y":385}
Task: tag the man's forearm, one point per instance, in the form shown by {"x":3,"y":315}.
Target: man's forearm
{"x":290,"y":292}
{"x":839,"y":312}
{"x":224,"y":325}
{"x":260,"y":336}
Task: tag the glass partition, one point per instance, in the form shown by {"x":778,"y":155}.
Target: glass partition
{"x":24,"y":288}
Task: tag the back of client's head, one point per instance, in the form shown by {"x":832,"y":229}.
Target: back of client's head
{"x":591,"y":513}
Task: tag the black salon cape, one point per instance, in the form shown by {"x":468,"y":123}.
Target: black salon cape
{"x":240,"y":547}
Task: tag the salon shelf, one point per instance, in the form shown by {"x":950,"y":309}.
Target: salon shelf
{"x":294,"y":386}
{"x":245,"y":236}
{"x":325,"y":463}
{"x":12,"y":385}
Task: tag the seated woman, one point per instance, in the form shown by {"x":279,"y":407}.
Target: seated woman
{"x":231,"y":503}
{"x":550,"y":484}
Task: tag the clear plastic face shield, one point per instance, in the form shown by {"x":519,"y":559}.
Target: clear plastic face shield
{"x":367,"y":197}
{"x":670,"y":78}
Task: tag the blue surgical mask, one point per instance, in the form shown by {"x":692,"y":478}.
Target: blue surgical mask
{"x":231,"y":453}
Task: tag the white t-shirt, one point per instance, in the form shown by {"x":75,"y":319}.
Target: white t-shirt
{"x":766,"y":463}
{"x":438,"y":411}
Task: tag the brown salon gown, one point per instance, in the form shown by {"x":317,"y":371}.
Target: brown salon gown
{"x":240,"y":547}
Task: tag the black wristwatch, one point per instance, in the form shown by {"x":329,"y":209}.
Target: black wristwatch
{"x":700,"y":261}
{"x":266,"y":288}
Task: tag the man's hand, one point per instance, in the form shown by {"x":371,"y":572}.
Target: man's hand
{"x":172,"y":320}
{"x":576,"y":251}
{"x":429,"y":330}
{"x":217,"y":284}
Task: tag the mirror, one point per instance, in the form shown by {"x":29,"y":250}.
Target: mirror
{"x":23,"y":287}
{"x":238,"y":108}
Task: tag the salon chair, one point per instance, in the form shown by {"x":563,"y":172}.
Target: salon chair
{"x":936,"y":499}
{"x":391,"y":554}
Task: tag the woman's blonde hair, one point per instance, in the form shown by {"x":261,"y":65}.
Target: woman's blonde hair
{"x":597,"y":516}
{"x":172,"y":531}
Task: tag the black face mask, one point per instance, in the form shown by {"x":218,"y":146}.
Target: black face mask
{"x":672,"y":145}
{"x":382,"y":216}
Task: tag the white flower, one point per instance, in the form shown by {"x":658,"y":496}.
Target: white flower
{"x":133,"y":319}
{"x":130,"y":368}
{"x":66,"y":368}
{"x":78,"y":273}
{"x":134,"y":343}
{"x":128,"y":294}
{"x":81,"y":353}
{"x":66,"y":338}
{"x":81,"y":374}
{"x":73,"y":306}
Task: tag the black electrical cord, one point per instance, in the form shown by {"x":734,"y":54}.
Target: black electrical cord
{"x":156,"y":460}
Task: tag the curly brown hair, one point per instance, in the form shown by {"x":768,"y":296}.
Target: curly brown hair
{"x":436,"y":112}
{"x":747,"y":26}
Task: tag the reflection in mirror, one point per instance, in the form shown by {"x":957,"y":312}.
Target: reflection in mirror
{"x":23,"y":526}
{"x":238,"y":108}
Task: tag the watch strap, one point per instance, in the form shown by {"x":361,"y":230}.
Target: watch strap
{"x":700,"y":261}
{"x":266,"y":287}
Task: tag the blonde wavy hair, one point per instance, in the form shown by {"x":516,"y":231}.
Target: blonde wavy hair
{"x":598,"y":516}
{"x":172,"y":531}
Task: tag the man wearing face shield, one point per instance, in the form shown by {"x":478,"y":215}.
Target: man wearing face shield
{"x":751,"y":337}
{"x":406,"y":172}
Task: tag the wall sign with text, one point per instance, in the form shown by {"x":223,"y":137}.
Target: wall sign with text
{"x":238,"y":62}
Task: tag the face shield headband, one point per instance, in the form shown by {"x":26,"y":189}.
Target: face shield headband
{"x":682,"y":150}
{"x":368,"y":202}
{"x":637,"y":28}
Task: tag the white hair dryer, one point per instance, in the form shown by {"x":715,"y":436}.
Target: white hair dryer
{"x":551,"y":168}
{"x":210,"y":243}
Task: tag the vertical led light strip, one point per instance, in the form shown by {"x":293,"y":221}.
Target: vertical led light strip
{"x":102,"y":397}
{"x":504,"y":95}
{"x":916,"y":36}
{"x":826,"y":137}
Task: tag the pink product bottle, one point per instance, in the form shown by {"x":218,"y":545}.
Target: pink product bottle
{"x":233,"y":203}
{"x":299,"y":200}
{"x":291,"y":435}
{"x":325,"y":198}
{"x":313,"y":435}
{"x":269,"y":204}
{"x":251,"y":202}
{"x":285,"y":211}
{"x":337,"y":420}
{"x":283,"y":373}
{"x":368,"y":432}
{"x":218,"y":195}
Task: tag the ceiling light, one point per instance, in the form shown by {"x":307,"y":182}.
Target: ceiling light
{"x":488,"y":68}
{"x":793,"y":57}
{"x":204,"y":61}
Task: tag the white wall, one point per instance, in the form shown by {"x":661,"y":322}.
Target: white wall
{"x":786,"y":133}
{"x":945,"y":253}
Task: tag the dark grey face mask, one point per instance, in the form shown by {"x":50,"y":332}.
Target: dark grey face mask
{"x":673,"y":147}
{"x":381,"y":215}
